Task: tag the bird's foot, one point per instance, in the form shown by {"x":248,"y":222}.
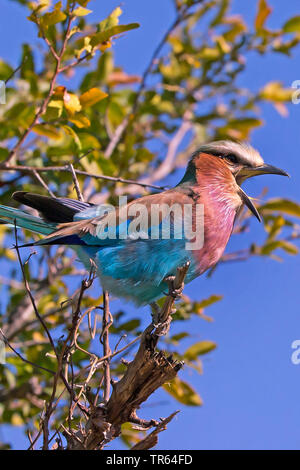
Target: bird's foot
{"x":162,"y":327}
{"x":174,"y":292}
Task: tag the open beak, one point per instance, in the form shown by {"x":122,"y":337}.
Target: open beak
{"x":247,"y":201}
{"x":248,"y":172}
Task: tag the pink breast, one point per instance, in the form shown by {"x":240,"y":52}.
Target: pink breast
{"x":219,"y":218}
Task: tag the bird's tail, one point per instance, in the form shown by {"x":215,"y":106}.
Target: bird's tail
{"x":16,"y":217}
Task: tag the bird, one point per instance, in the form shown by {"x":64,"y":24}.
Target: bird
{"x":135,"y":266}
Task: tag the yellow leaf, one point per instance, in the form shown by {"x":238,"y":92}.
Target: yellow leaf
{"x":274,"y":91}
{"x":72,"y":103}
{"x":73,"y":134}
{"x":38,"y":337}
{"x":47,"y":131}
{"x":16,"y":420}
{"x":80,"y":120}
{"x":80,"y":11}
{"x":210,"y":53}
{"x":262,"y":14}
{"x":54,"y":17}
{"x":292,"y":25}
{"x":197,"y":349}
{"x":282,"y":205}
{"x":223,"y":45}
{"x":183,"y":392}
{"x":91,"y":97}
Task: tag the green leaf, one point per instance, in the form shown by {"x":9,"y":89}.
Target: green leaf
{"x":27,"y":62}
{"x":176,"y":338}
{"x":47,"y":131}
{"x":54,"y":17}
{"x":282,"y":205}
{"x":73,"y":134}
{"x":3,"y":153}
{"x":80,"y":120}
{"x":292,"y":25}
{"x":81,"y":11}
{"x":54,"y":110}
{"x":210,"y":53}
{"x":239,"y":128}
{"x":197,"y":349}
{"x":104,"y":36}
{"x":5,"y":70}
{"x":128,"y":326}
{"x":289,"y":247}
{"x":183,"y":392}
{"x":223,"y":8}
{"x":83,"y":3}
{"x":283,"y":244}
{"x":111,"y":20}
{"x":209,"y":301}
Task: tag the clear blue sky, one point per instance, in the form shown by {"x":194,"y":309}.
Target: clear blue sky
{"x":250,"y":387}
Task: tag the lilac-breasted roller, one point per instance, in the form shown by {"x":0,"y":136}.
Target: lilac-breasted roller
{"x":134,"y":266}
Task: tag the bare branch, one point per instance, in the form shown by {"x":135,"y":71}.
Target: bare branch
{"x":151,"y":440}
{"x":147,"y":372}
{"x":104,"y":339}
{"x":66,"y":168}
{"x":76,"y":184}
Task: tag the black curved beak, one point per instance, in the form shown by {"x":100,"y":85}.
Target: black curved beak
{"x":248,"y":172}
{"x":267,"y":170}
{"x":247,"y":201}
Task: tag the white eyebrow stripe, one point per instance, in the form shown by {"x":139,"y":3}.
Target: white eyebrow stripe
{"x":245,"y":153}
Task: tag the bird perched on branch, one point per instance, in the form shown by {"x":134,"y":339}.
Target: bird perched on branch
{"x":134,"y":264}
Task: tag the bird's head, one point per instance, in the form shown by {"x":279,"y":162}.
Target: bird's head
{"x":243,"y":161}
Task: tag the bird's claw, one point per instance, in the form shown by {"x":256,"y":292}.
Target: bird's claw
{"x":174,"y":292}
{"x":162,"y":328}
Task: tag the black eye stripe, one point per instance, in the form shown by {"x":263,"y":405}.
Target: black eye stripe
{"x":231,"y":157}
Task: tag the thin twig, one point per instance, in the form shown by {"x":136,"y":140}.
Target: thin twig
{"x":15,"y":71}
{"x":23,"y":358}
{"x":66,"y":168}
{"x":27,"y":288}
{"x":104,"y":339}
{"x":76,"y":184}
{"x":43,"y":183}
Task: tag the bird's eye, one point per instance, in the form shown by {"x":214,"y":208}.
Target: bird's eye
{"x":232,"y":158}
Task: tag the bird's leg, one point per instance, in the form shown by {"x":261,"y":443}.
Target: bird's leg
{"x":158,"y":319}
{"x":173,"y":291}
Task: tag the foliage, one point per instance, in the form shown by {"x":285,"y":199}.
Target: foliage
{"x":69,"y":103}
